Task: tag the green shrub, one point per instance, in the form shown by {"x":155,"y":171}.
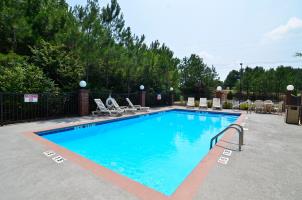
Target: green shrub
{"x":227,"y":105}
{"x":181,"y":98}
{"x":244,"y":106}
{"x":230,"y":95}
{"x":209,"y":104}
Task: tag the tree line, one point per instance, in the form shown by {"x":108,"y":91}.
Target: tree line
{"x":47,"y":46}
{"x":261,"y":83}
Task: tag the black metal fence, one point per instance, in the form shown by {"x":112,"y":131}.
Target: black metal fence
{"x":14,"y":108}
{"x":18,"y":107}
{"x":158,"y":99}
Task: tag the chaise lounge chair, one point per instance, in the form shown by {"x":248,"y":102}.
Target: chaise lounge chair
{"x":203,"y":103}
{"x":216,"y":103}
{"x":101,"y":109}
{"x":137,"y":107}
{"x":235,"y":105}
{"x":191,"y":102}
{"x":122,"y":108}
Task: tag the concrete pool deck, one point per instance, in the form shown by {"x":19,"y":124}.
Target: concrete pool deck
{"x":269,"y":167}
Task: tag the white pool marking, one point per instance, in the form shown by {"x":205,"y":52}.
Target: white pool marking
{"x":49,"y":153}
{"x":223,"y":160}
{"x":227,"y":152}
{"x":245,"y":129}
{"x":58,"y":159}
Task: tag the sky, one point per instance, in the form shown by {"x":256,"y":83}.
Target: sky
{"x":225,"y":33}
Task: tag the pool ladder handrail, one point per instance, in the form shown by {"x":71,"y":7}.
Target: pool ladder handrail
{"x":239,"y":130}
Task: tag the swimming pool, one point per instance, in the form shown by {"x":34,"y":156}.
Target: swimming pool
{"x":158,"y":150}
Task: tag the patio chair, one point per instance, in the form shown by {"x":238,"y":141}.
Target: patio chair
{"x":203,"y":103}
{"x":259,"y":106}
{"x":278,"y":108}
{"x":216,"y":103}
{"x":191,"y":102}
{"x":137,"y":107}
{"x":268,"y":106}
{"x":101,"y":109}
{"x":235,"y":105}
{"x":122,"y":108}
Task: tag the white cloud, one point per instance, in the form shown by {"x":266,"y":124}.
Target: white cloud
{"x":206,"y":56}
{"x":281,"y":31}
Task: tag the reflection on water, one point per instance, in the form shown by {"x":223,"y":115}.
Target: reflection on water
{"x":190,"y":117}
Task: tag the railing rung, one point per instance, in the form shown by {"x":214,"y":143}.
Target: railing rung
{"x":239,"y":130}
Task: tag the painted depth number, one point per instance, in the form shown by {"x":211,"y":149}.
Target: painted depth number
{"x":55,"y":157}
{"x":223,"y":159}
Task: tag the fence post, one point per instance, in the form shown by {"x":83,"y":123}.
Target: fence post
{"x":142,"y":98}
{"x":1,"y":108}
{"x":83,"y":102}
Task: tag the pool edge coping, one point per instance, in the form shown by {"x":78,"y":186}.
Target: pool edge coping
{"x":186,"y":190}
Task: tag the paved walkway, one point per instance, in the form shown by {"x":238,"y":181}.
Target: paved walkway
{"x":269,"y":167}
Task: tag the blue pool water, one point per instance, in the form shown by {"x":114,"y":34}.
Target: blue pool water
{"x":157,"y":150}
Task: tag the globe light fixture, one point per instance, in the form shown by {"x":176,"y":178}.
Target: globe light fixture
{"x":219,"y":88}
{"x":171,"y":89}
{"x":142,"y":87}
{"x":82,"y":84}
{"x":290,"y":88}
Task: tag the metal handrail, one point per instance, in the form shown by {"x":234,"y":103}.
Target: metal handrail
{"x":239,"y":130}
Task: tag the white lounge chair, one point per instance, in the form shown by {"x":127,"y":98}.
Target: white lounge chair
{"x":101,"y":109}
{"x":191,"y":102}
{"x":203,"y":103}
{"x":278,"y":108}
{"x":216,"y":103}
{"x":122,"y":108}
{"x":137,"y":107}
{"x":259,"y":106}
{"x":235,"y":105}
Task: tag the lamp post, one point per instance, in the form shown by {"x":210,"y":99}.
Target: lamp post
{"x":219,"y":92}
{"x":288,"y":100}
{"x":83,"y":99}
{"x":171,"y":95}
{"x":240,"y":98}
{"x":142,"y":95}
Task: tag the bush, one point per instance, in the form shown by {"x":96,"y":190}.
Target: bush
{"x":227,"y":105}
{"x":230,"y":95}
{"x":17,"y":75}
{"x":181,"y":99}
{"x":244,"y":106}
{"x":209,"y":104}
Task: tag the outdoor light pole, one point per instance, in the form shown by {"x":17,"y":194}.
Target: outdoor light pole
{"x":240,"y":83}
{"x":171,"y":96}
{"x":289,"y":91}
{"x":142,"y":95}
{"x":219,"y":93}
{"x":83,"y":99}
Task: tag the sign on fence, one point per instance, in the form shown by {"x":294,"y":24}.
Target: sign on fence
{"x":30,"y":98}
